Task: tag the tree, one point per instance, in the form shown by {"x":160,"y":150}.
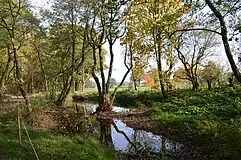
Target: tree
{"x":106,"y":26}
{"x":224,"y":12}
{"x":152,"y":27}
{"x":234,"y":6}
{"x":69,"y":25}
{"x":68,"y":12}
{"x":210,"y":73}
{"x":192,"y":50}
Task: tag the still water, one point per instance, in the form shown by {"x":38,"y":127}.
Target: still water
{"x":124,"y":139}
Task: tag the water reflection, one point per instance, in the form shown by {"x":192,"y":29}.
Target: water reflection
{"x":105,"y":132}
{"x":116,"y":134}
{"x":126,"y":139}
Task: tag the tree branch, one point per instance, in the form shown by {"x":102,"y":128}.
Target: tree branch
{"x":194,"y":29}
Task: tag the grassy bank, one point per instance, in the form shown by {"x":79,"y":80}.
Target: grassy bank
{"x":48,"y":145}
{"x":211,"y":117}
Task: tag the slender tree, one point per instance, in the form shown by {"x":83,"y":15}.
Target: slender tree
{"x":106,"y":27}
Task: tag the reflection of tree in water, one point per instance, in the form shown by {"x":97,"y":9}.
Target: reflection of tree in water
{"x":105,"y":132}
{"x":149,"y":143}
{"x":80,"y":122}
{"x":146,"y":142}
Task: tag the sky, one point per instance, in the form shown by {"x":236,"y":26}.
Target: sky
{"x":119,"y":68}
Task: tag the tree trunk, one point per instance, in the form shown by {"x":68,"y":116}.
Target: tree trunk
{"x":105,"y":103}
{"x":159,"y":66}
{"x":83,"y":87}
{"x":83,"y":80}
{"x":209,"y":84}
{"x":161,"y":78}
{"x":230,"y":80}
{"x":19,"y":80}
{"x":195,"y":84}
{"x":32,"y":84}
{"x":76,"y":86}
{"x":162,"y":84}
{"x":65,"y":92}
{"x":224,"y":34}
{"x":219,"y":83}
{"x":19,"y":126}
{"x":135,"y":85}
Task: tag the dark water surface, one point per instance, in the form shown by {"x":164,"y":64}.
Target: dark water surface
{"x":124,"y":139}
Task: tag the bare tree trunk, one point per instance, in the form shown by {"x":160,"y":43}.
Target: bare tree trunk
{"x":64,"y":93}
{"x":83,"y":80}
{"x":19,"y":80}
{"x":195,"y":84}
{"x":129,"y":68}
{"x":76,"y":86}
{"x":135,"y":85}
{"x":219,"y":83}
{"x":32,"y":84}
{"x":209,"y":84}
{"x":95,"y":76}
{"x":230,"y":80}
{"x":159,"y":65}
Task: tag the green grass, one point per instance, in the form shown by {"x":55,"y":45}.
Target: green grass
{"x":48,"y":145}
{"x":213,"y":116}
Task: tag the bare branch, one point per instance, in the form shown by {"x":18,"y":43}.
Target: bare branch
{"x":194,"y":29}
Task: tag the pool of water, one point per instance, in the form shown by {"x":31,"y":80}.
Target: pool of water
{"x":124,"y":139}
{"x":141,"y":139}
